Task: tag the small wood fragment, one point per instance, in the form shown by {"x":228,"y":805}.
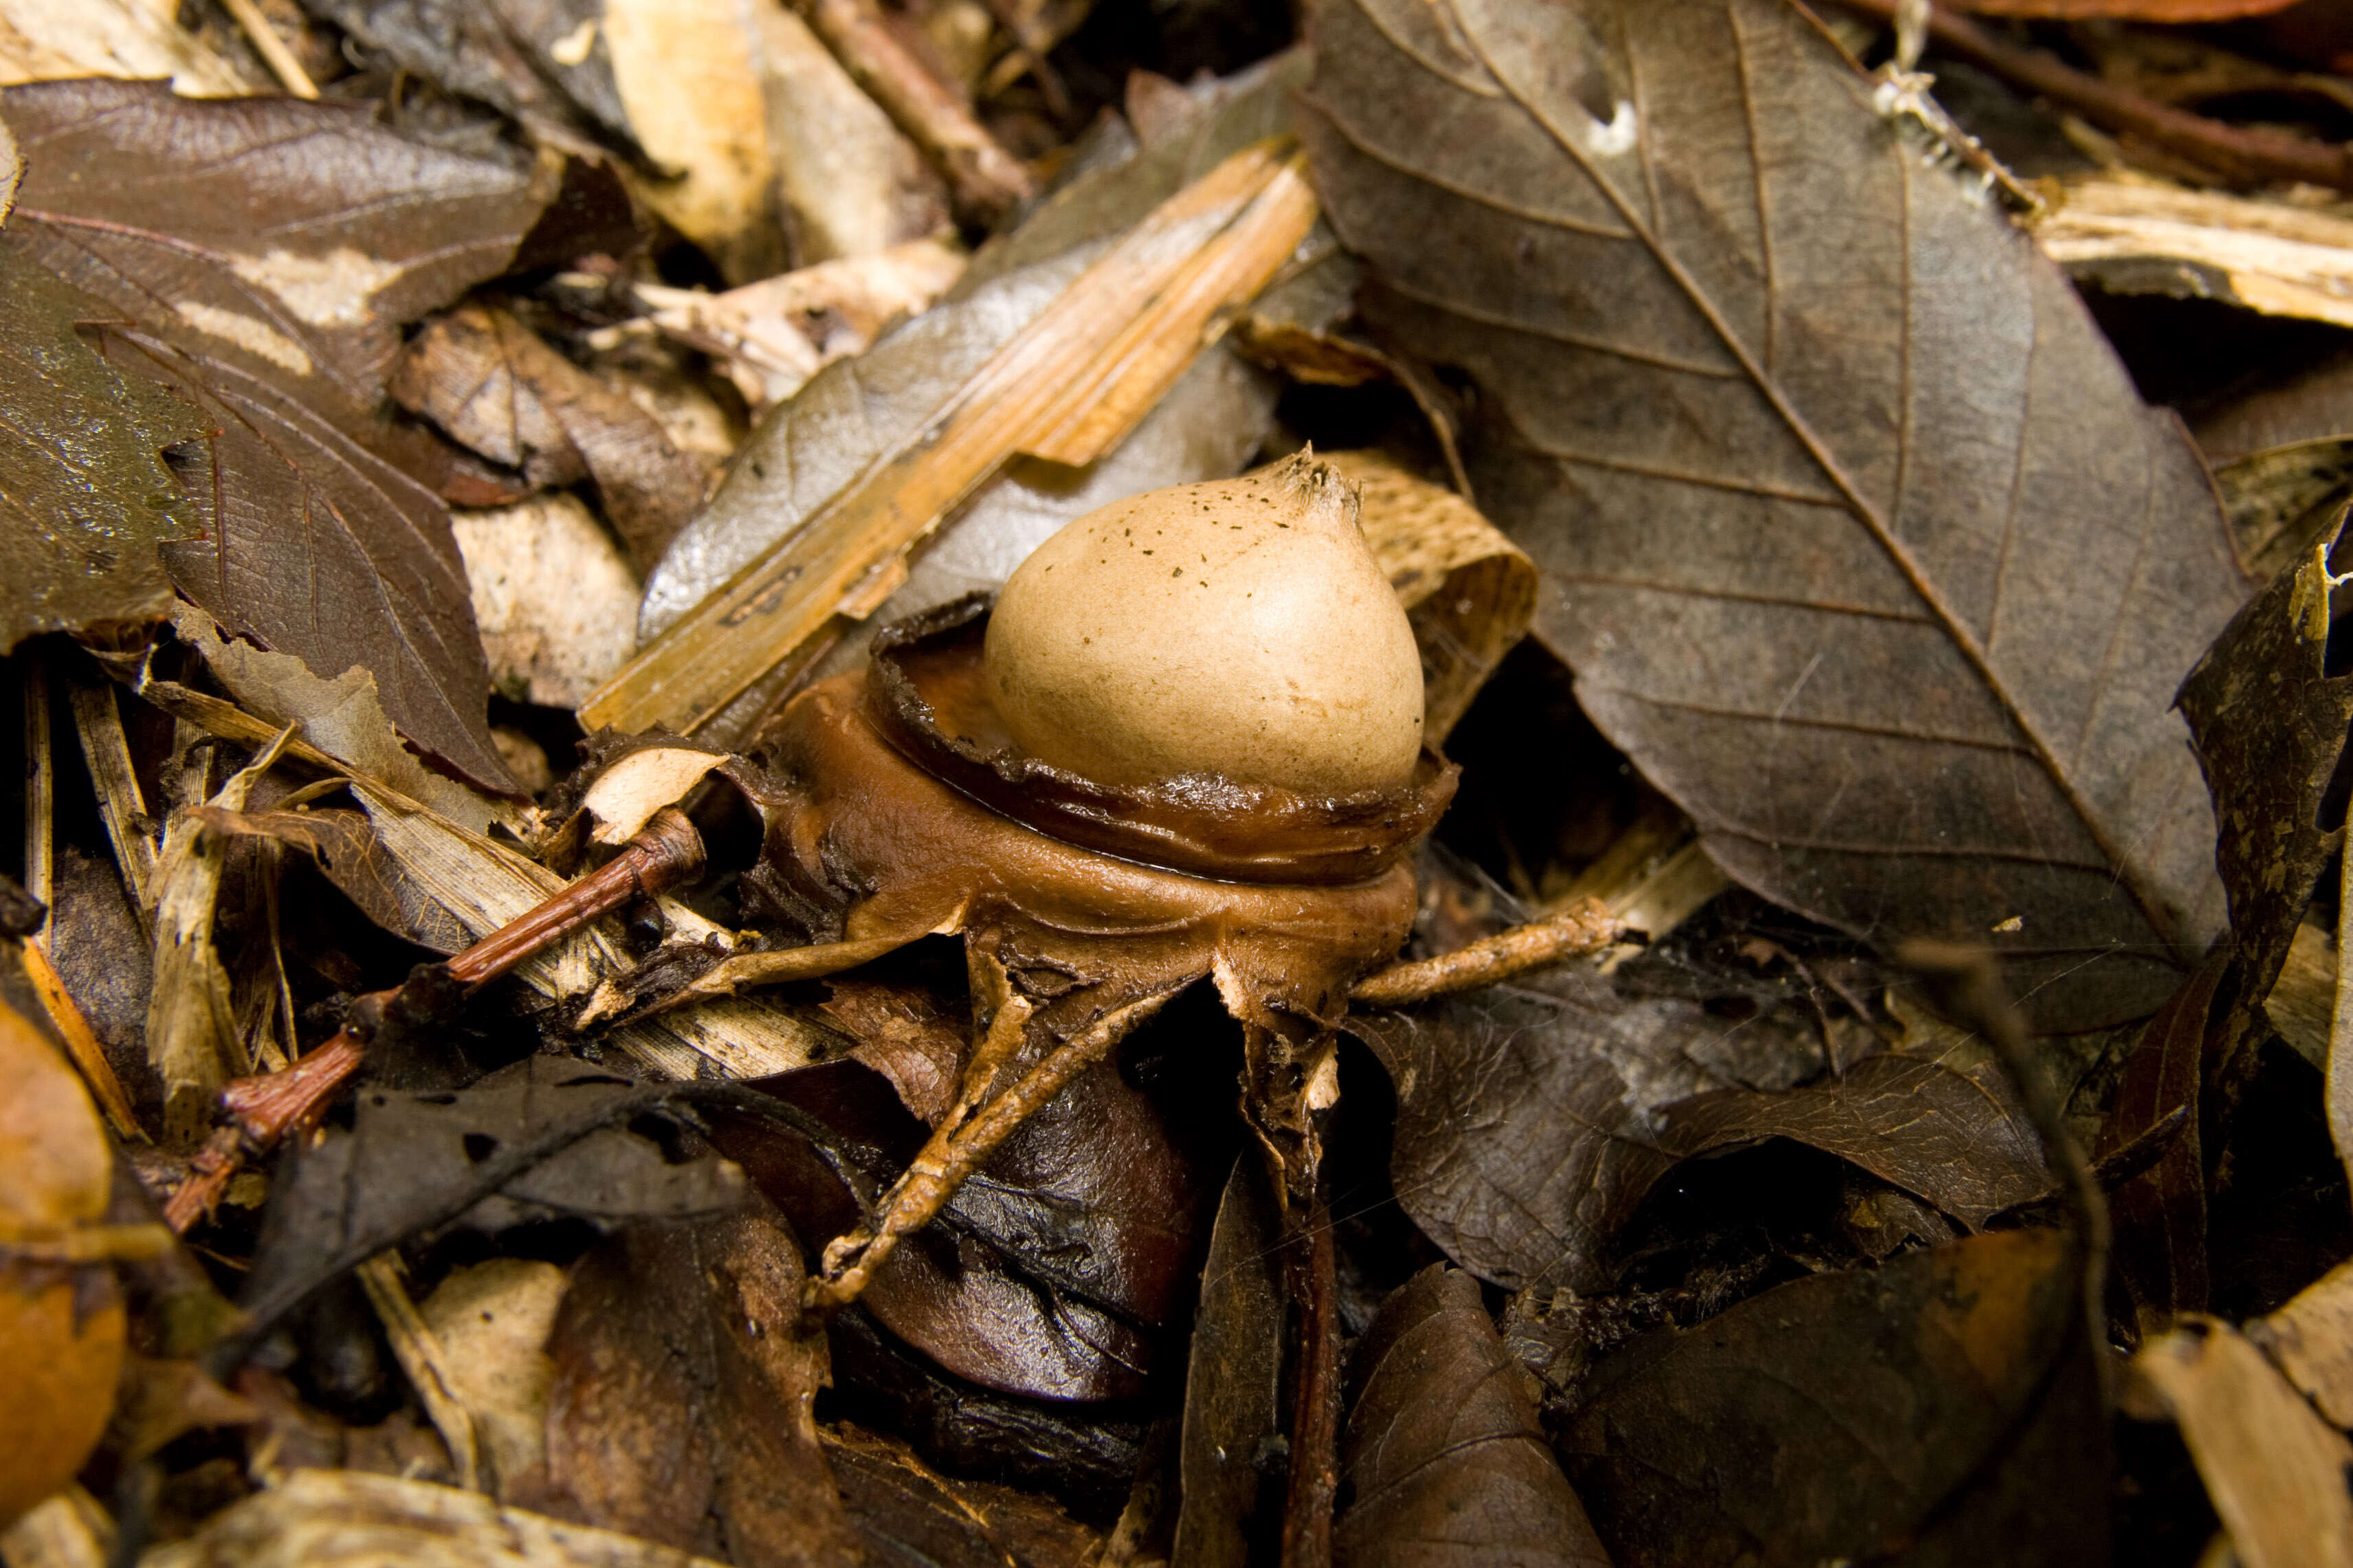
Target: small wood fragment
{"x":1097,"y":358}
{"x":988,"y":182}
{"x":120,"y":799}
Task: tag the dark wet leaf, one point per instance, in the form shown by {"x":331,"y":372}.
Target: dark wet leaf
{"x":1231,"y":1490}
{"x":912,"y":1516}
{"x":1442,"y":1464}
{"x":1945,"y":1408}
{"x":1059,"y":1271}
{"x":265,"y":253}
{"x":85,"y":497}
{"x":2158,"y":1249}
{"x":518,"y":56}
{"x":2270,"y":725}
{"x":497,"y":388}
{"x":412,"y":1162}
{"x":1084,"y":1454}
{"x":1533,"y":1118}
{"x":682,"y":1406}
{"x":1862,"y":544}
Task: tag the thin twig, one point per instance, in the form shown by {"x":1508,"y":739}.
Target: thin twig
{"x":2254,"y":157}
{"x":944,"y":1162}
{"x":987,"y":181}
{"x":1586,"y":926}
{"x":1968,"y":989}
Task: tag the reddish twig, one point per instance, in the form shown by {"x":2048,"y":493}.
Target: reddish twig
{"x":2247,"y":156}
{"x":264,"y":1111}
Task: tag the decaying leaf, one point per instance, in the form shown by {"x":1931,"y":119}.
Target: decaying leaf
{"x":344,"y":717}
{"x":409,"y":1164}
{"x":681,"y":1406}
{"x":2269,"y":724}
{"x":2274,"y":1468}
{"x":774,"y":334}
{"x":1944,"y":1404}
{"x":337,"y":839}
{"x":2158,"y":1249}
{"x":549,"y":65}
{"x":266,"y":252}
{"x":497,"y":387}
{"x":85,"y":497}
{"x":1443,"y":1452}
{"x":1233,"y":1386}
{"x":192,"y":1036}
{"x":1769,"y":400}
{"x":61,"y":1321}
{"x":1533,"y":1117}
{"x":911,"y":1515}
{"x":848,"y":182}
{"x":491,"y":1320}
{"x":349,"y":1518}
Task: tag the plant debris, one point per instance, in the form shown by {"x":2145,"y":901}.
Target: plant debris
{"x":718,"y":853}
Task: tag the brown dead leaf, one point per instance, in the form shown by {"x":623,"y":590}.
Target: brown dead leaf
{"x":85,"y":495}
{"x":2310,"y":1339}
{"x":549,"y":65}
{"x":264,"y":253}
{"x":773,"y":335}
{"x":1946,"y":1406}
{"x":1442,"y":1453}
{"x":1233,"y":1387}
{"x":681,"y":1406}
{"x":909,"y":1513}
{"x":2159,"y":1249}
{"x":1773,"y":404}
{"x":2269,"y":724}
{"x":61,"y":1323}
{"x":496,"y":388}
{"x":2274,"y":1470}
{"x":1533,"y":1117}
{"x":904,"y":1033}
{"x":554,"y":596}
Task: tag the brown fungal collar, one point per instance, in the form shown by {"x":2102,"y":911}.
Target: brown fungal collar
{"x":928,"y":694}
